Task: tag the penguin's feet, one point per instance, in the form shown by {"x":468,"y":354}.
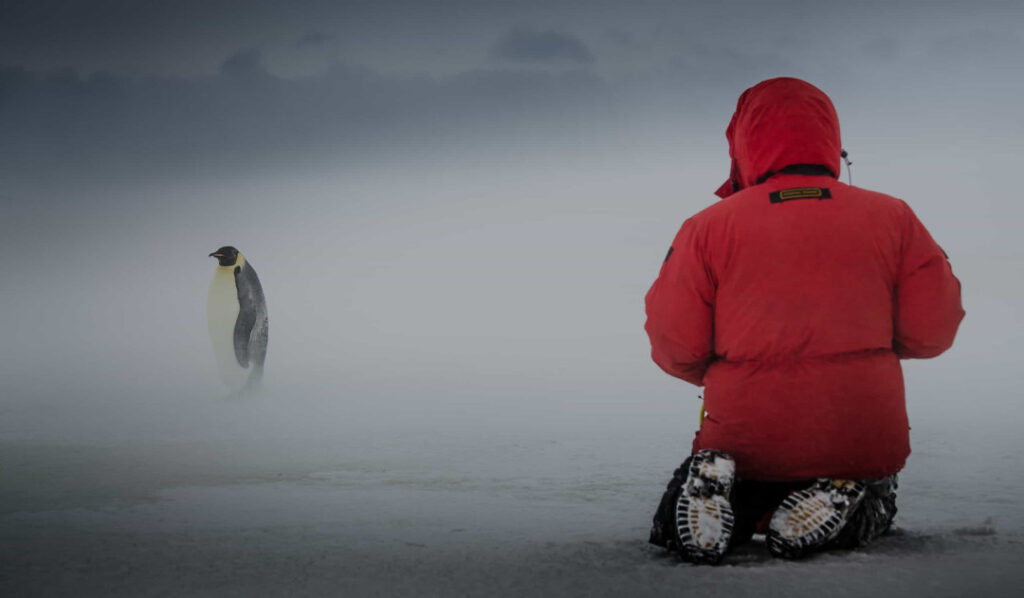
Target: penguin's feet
{"x":808,"y":519}
{"x":703,"y":516}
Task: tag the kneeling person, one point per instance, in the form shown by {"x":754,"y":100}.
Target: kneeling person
{"x":792,"y":301}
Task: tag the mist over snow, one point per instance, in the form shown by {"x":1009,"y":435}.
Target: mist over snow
{"x":455,"y":213}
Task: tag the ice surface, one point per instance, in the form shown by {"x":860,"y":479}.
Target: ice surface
{"x":204,"y":497}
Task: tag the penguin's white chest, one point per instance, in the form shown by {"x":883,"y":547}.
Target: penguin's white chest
{"x":222,"y":309}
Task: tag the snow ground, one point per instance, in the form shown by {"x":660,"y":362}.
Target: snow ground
{"x":206,"y":498}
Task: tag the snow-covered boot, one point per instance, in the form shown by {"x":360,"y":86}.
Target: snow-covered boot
{"x":808,"y":519}
{"x":873,"y":517}
{"x":703,"y":515}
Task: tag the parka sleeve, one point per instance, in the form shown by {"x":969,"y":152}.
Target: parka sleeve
{"x":927,"y":309}
{"x":680,"y":309}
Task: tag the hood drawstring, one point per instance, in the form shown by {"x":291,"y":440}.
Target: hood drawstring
{"x":849,"y":175}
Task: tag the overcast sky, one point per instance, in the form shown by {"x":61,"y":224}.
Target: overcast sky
{"x":454,"y":197}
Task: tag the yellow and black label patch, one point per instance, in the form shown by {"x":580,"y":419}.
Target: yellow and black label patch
{"x":800,"y":193}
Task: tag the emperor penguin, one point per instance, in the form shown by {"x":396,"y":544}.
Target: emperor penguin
{"x":236,"y":315}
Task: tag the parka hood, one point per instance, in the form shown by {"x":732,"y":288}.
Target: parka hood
{"x":779,"y":123}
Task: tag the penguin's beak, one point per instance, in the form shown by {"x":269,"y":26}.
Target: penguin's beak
{"x":215,"y":254}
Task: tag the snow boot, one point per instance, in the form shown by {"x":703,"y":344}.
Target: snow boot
{"x":809,"y":519}
{"x":873,"y":517}
{"x":703,"y":516}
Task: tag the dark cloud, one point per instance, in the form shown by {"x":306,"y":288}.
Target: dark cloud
{"x":314,"y":39}
{"x":621,"y":37}
{"x":245,"y":116}
{"x":243,"y":64}
{"x":522,"y":44}
{"x":252,"y":107}
{"x":13,"y":78}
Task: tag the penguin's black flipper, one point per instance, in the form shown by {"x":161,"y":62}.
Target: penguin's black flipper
{"x":258,"y":343}
{"x":243,"y":329}
{"x":250,"y":306}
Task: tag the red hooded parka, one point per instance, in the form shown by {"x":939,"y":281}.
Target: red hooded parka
{"x":792,"y":300}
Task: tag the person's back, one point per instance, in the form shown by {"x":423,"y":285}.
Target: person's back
{"x":793,"y":298}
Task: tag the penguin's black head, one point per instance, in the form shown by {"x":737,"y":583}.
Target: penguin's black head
{"x":227,"y":255}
